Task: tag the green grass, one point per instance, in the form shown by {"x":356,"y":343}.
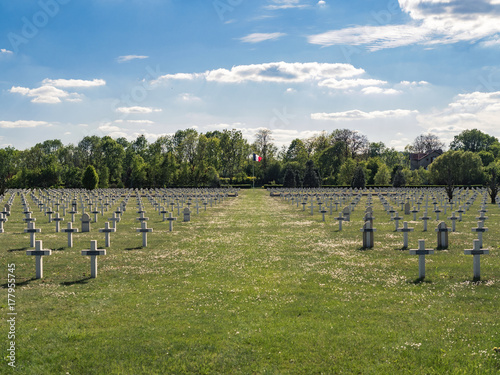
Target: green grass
{"x":253,"y":285}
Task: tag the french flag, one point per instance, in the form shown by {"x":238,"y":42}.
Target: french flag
{"x":256,"y":157}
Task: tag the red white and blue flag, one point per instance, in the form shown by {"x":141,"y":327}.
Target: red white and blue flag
{"x":256,"y":157}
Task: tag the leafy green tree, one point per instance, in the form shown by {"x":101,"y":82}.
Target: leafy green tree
{"x":456,"y":168}
{"x":311,"y":178}
{"x":90,"y":179}
{"x":358,"y":180}
{"x":399,"y":178}
{"x":383,"y":176}
{"x":487,"y":157}
{"x":104,"y":177}
{"x":289,"y":178}
{"x":493,"y":180}
{"x":138,"y":174}
{"x":346,"y":172}
{"x":472,"y":140}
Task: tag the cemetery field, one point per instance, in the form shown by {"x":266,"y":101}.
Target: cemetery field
{"x":253,"y":285}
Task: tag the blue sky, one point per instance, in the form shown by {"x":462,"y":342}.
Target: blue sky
{"x":389,"y":69}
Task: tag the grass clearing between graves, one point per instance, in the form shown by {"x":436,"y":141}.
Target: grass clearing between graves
{"x":253,"y":285}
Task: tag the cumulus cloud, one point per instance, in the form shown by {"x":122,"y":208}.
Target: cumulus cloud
{"x":433,"y":22}
{"x":261,"y":37}
{"x":476,"y":110}
{"x":73,"y":82}
{"x":324,"y":74}
{"x":137,"y":110}
{"x":361,"y":115}
{"x":46,"y":94}
{"x":4,"y":51}
{"x":21,"y":124}
{"x":51,"y":93}
{"x":372,"y":90}
{"x":122,"y":59}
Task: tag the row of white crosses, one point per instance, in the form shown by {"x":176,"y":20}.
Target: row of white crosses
{"x":476,"y":251}
{"x":40,"y":252}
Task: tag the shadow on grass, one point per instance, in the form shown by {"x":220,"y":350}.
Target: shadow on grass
{"x":82,"y":281}
{"x":18,"y":284}
{"x":133,"y":248}
{"x":420,"y":280}
{"x":20,"y":249}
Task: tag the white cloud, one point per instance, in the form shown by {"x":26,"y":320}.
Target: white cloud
{"x":360,"y":115}
{"x":285,"y":4}
{"x":187,"y":97}
{"x":476,"y":110}
{"x":278,"y":72}
{"x":137,"y":110}
{"x":46,"y":94}
{"x":433,"y":22}
{"x":22,"y":124}
{"x":349,"y":83}
{"x":260,"y":37}
{"x":321,"y":3}
{"x":50,"y":93}
{"x":146,"y":122}
{"x":5,"y":51}
{"x":372,"y":90}
{"x":122,"y":59}
{"x":73,"y":82}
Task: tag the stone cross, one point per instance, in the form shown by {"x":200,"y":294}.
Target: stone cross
{"x":323,"y":212}
{"x":39,"y":252}
{"x":312,"y":207}
{"x":396,"y":219}
{"x":171,"y":220}
{"x":453,"y":219}
{"x":421,"y":252}
{"x":480,"y":230}
{"x":163,"y":212}
{"x":476,"y":252}
{"x":3,"y":219}
{"x":340,"y":219}
{"x":414,"y":212}
{"x":58,"y":220}
{"x":368,"y":239}
{"x":145,"y":230}
{"x":442,"y":235}
{"x":49,"y":212}
{"x":115,"y":219}
{"x":107,"y":233}
{"x":425,"y":218}
{"x":141,"y":217}
{"x":460,"y":212}
{"x":32,"y":231}
{"x":95,"y":211}
{"x":405,"y":230}
{"x":28,"y":218}
{"x":85,"y":223}
{"x":72,"y":213}
{"x":70,"y":230}
{"x":94,"y":252}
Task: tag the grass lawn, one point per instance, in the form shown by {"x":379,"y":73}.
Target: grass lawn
{"x":253,"y":285}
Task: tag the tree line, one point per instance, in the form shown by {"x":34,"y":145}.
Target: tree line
{"x":189,"y":158}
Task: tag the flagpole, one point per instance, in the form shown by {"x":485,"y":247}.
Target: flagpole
{"x":253,"y":175}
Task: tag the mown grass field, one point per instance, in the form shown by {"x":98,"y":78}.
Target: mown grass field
{"x":253,"y":285}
